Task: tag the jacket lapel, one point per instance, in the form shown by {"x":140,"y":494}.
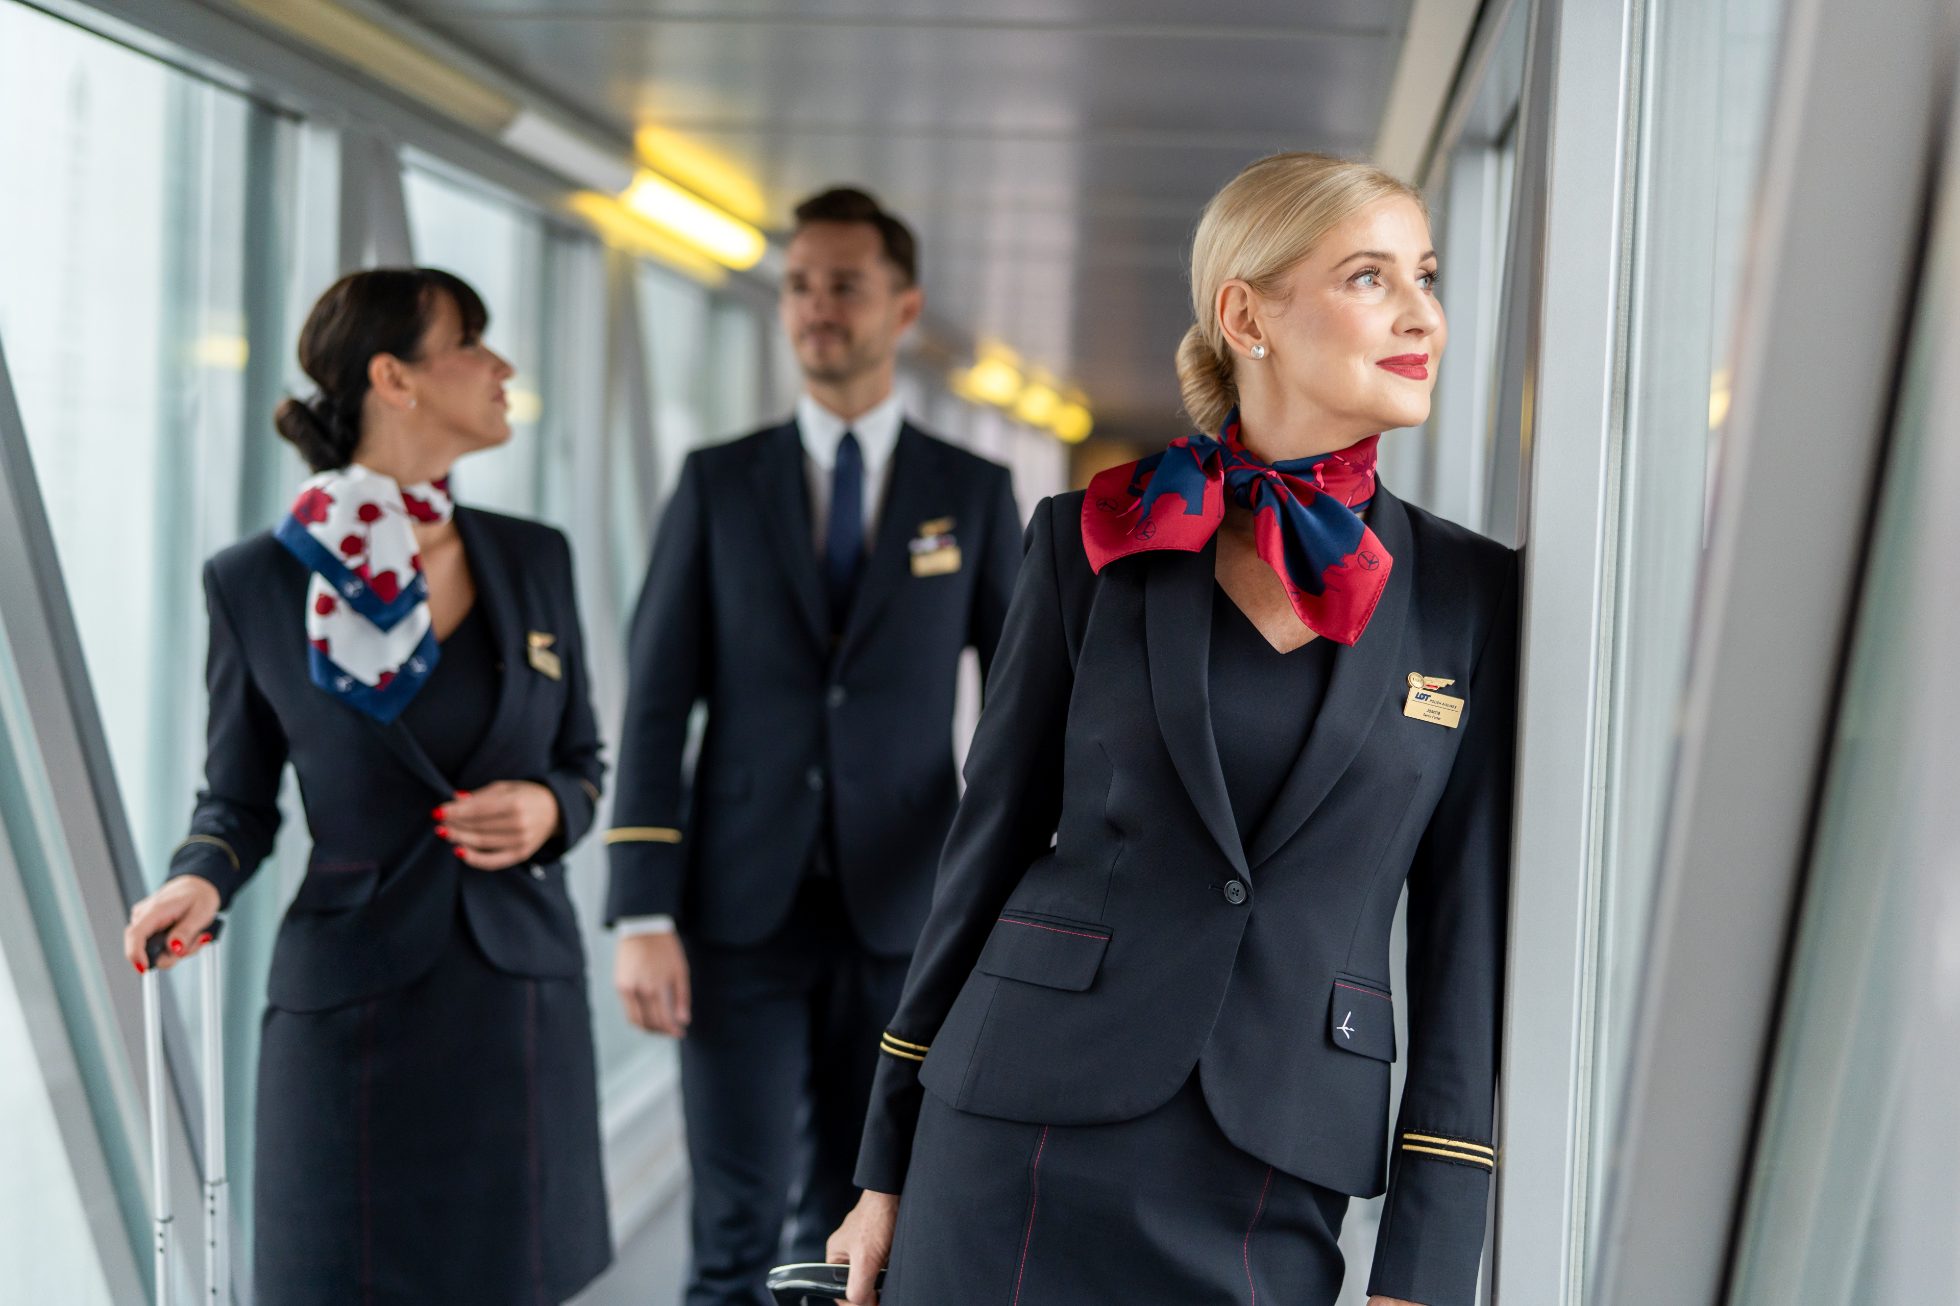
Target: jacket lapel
{"x":495,"y":576}
{"x":1362,"y":677}
{"x":784,"y":500}
{"x":913,"y":494}
{"x":1177,"y":599}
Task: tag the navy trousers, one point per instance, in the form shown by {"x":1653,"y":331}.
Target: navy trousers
{"x":775,"y":1079}
{"x":1158,"y":1211}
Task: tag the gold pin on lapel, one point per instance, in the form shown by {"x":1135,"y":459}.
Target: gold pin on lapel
{"x":936,"y":552}
{"x":1426,"y":702}
{"x":542,"y":659}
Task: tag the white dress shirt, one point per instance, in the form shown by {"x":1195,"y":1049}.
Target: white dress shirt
{"x":821,"y":430}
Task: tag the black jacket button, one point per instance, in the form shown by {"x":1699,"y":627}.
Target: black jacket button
{"x":837,"y":695}
{"x":814,"y":778}
{"x":1234,"y":892}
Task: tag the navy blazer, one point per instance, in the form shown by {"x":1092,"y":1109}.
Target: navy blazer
{"x":380,"y":892}
{"x":1099,"y":930}
{"x":734,"y":615}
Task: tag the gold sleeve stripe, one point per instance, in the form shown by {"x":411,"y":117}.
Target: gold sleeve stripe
{"x":916,"y":1047}
{"x":1487,"y":1162}
{"x":901,"y":1053}
{"x":643,"y":834}
{"x":592,"y":790}
{"x":1457,"y":1143}
{"x":216,"y":842}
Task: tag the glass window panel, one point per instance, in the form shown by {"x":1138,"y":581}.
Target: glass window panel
{"x":1703,"y":112}
{"x":674,"y":331}
{"x":125,"y":226}
{"x":499,"y":248}
{"x":1852,"y":1197}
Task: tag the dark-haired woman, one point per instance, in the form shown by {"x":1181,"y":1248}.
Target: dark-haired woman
{"x":427,"y":1105}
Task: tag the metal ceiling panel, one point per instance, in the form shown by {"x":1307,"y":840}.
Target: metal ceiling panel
{"x":1052,"y":154}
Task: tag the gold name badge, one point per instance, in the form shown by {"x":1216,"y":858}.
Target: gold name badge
{"x":1426,"y":703}
{"x":942,"y":561}
{"x":542,"y":659}
{"x":937,"y":526}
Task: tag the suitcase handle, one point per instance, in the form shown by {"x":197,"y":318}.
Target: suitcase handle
{"x":805,"y":1282}
{"x":159,"y":943}
{"x":217,"y":1213}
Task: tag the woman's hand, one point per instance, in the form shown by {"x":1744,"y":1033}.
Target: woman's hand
{"x":185,"y":907}
{"x":501,"y":824}
{"x":864,"y":1242}
{"x":1392,"y":1301}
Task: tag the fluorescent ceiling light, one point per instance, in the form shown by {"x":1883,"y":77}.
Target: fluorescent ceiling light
{"x":1037,"y":404}
{"x":389,"y":59}
{"x":694,"y":221}
{"x":1072,"y":423}
{"x":620,"y":226}
{"x":569,"y":153}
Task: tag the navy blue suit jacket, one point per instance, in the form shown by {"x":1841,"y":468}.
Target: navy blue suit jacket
{"x":1099,"y":930}
{"x":734,"y":616}
{"x":380,"y":893}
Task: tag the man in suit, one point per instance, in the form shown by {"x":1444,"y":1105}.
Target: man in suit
{"x":814,"y":584}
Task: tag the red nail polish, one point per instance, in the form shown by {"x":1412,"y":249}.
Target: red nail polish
{"x":462,"y":793}
{"x":461,"y":853}
{"x":204,"y":938}
{"x":177,"y":946}
{"x":442,"y":831}
{"x":141,"y":969}
{"x":437,"y":813}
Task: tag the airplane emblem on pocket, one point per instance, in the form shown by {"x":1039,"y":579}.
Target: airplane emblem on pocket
{"x":1344,"y":1029}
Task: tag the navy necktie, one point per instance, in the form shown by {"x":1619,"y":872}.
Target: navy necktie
{"x":843,"y":551}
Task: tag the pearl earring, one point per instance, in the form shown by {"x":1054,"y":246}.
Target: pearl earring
{"x":1258,"y":351}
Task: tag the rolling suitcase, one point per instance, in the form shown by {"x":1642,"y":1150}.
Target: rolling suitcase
{"x":217,"y":1244}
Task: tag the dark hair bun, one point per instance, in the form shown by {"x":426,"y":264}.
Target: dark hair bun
{"x":301,"y":424}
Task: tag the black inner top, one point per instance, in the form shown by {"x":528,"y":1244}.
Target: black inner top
{"x":450,"y":714}
{"x":1263,"y":703}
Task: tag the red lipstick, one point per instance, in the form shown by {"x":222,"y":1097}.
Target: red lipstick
{"x":1413,"y":366}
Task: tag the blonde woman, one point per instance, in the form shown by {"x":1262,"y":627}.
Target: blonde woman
{"x":1244,"y":695}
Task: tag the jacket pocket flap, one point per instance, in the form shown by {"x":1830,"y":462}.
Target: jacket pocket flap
{"x":1059,"y":954}
{"x":1361,"y":1018}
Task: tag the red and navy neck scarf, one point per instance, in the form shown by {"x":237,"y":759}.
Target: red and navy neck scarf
{"x":1306,"y":519}
{"x":372,"y":642}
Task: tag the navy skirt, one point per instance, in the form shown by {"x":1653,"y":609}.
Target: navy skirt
{"x":435,"y":1145}
{"x":1160,"y":1209}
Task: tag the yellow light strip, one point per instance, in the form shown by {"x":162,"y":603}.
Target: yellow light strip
{"x":695,"y":222}
{"x":389,"y":59}
{"x":618,"y":226}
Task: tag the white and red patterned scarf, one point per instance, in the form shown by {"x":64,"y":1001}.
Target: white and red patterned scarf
{"x":367,"y":606}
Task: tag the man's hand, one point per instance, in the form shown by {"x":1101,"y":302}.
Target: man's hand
{"x":650,"y":972}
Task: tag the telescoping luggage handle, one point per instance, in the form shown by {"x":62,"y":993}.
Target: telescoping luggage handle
{"x":217,"y":1215}
{"x":810,"y":1283}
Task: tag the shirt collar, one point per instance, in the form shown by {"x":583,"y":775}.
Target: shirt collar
{"x":876,"y":430}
